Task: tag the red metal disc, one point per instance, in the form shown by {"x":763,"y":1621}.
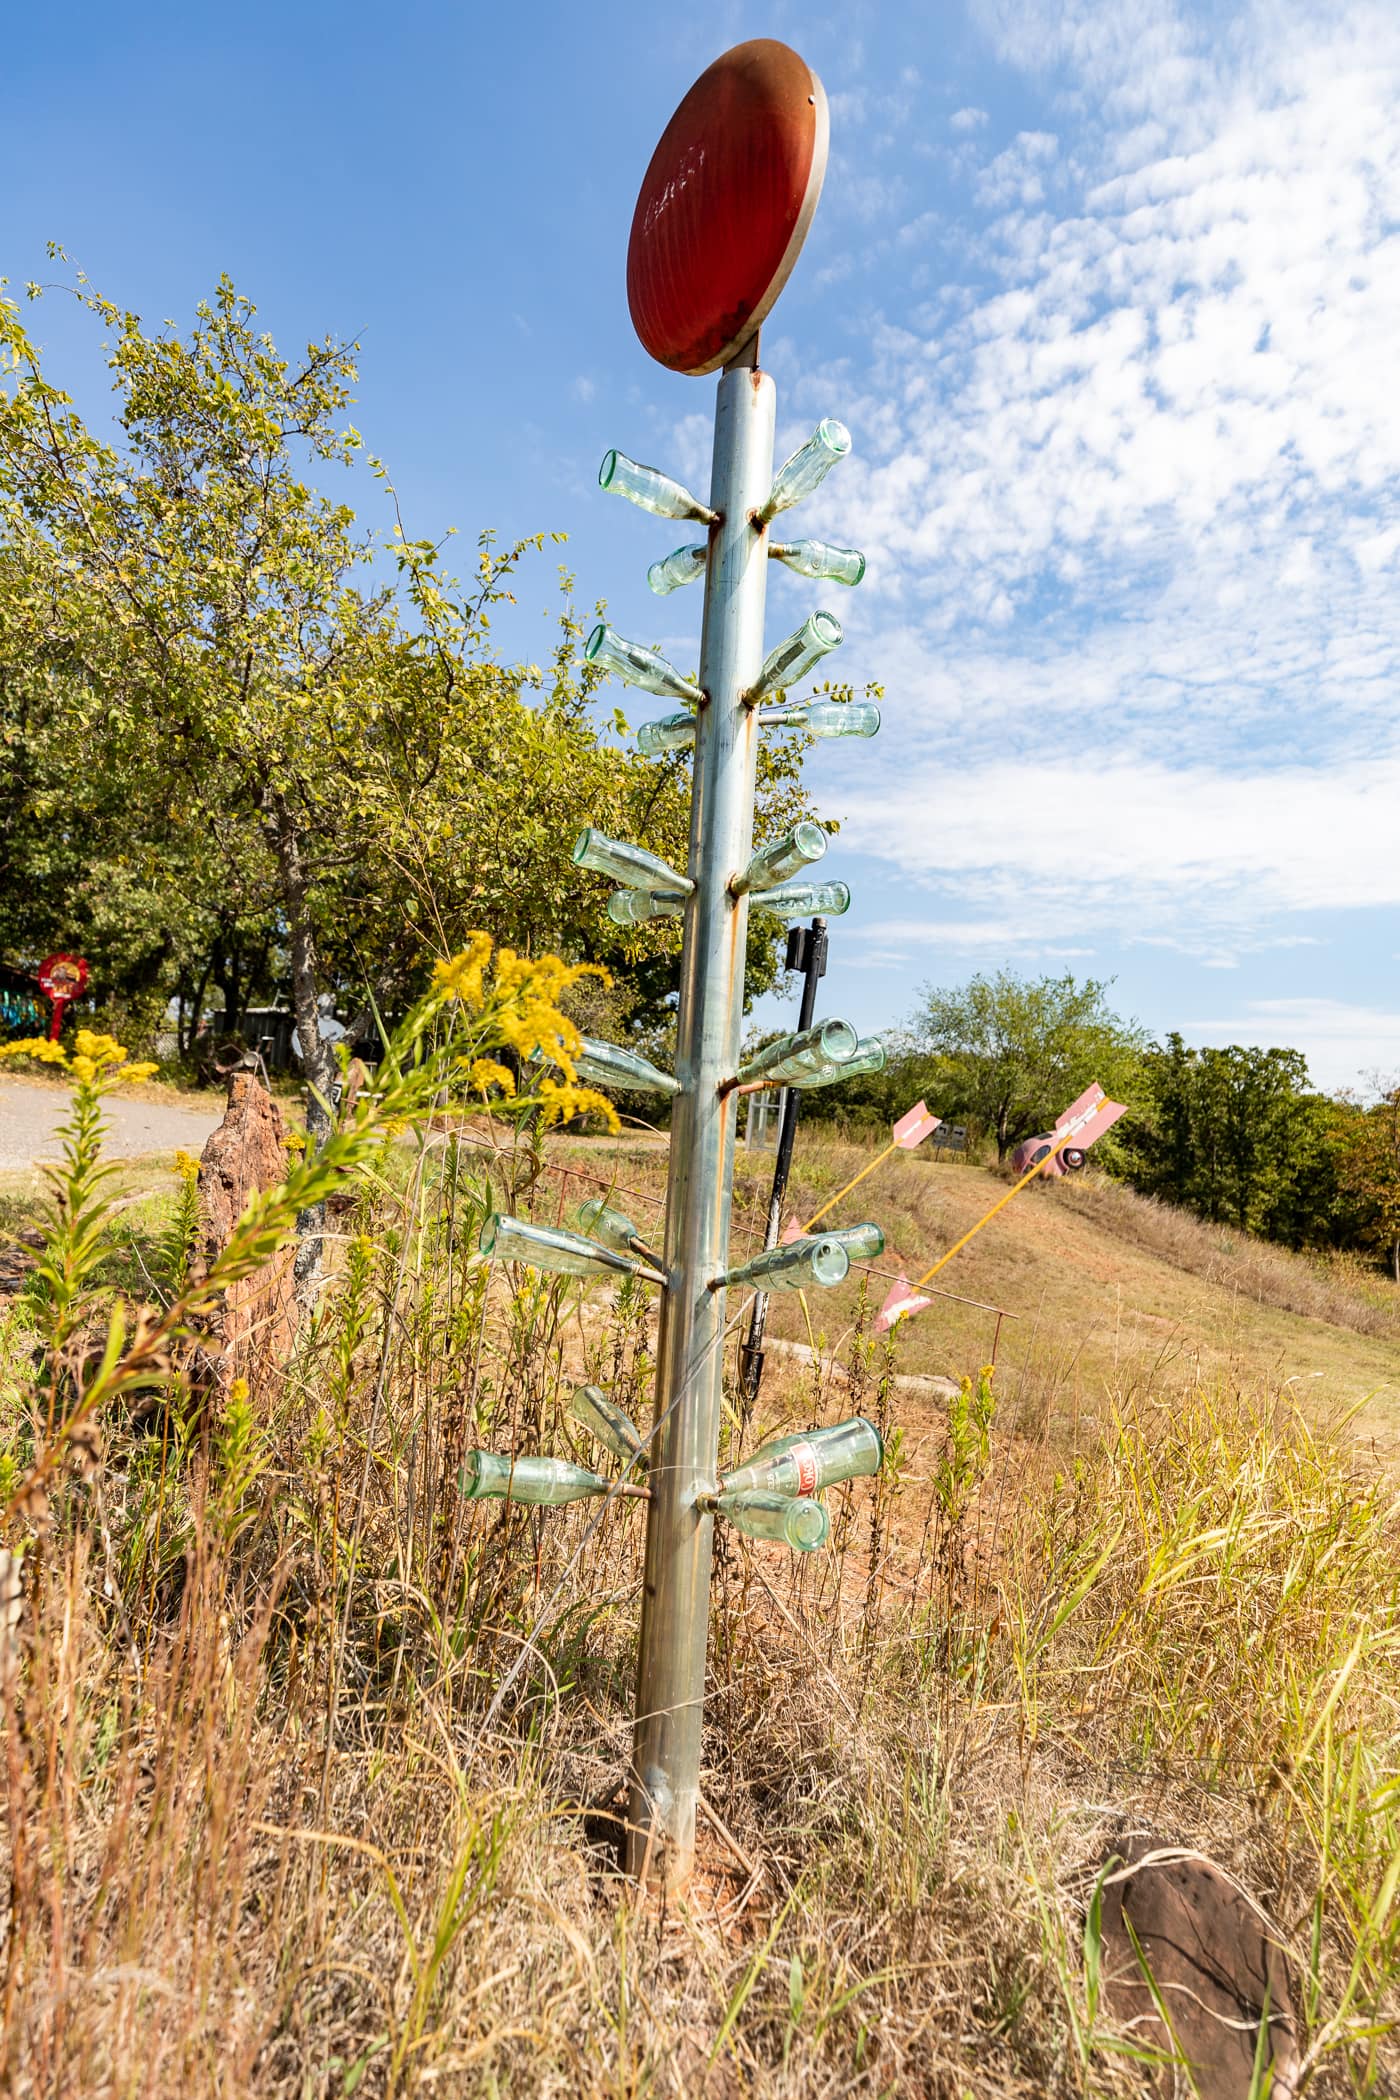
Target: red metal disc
{"x":725,"y":205}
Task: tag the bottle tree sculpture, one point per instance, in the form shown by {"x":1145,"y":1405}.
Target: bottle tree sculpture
{"x":721,"y":215}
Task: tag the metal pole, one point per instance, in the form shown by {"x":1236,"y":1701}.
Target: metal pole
{"x":810,"y":944}
{"x":665,"y":1779}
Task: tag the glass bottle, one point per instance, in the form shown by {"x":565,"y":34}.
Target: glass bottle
{"x":650,"y":489}
{"x":793,"y":658}
{"x":686,"y":565}
{"x":808,"y":467}
{"x":607,"y":1064}
{"x":798,"y":900}
{"x":636,"y":665}
{"x":821,"y":1260}
{"x":814,"y":558}
{"x":832,"y":1041}
{"x":504,"y":1238}
{"x":613,"y":1227}
{"x":825,"y":718}
{"x":870,"y":1056}
{"x":783,"y":858}
{"x":803,"y":1525}
{"x":626,"y":863}
{"x":861,"y":1242}
{"x":635,"y":907}
{"x":812,"y":1460}
{"x":671,"y":733}
{"x":486,"y":1474}
{"x":604,"y":1419}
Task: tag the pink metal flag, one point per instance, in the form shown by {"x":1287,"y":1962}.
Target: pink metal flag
{"x":790,"y":1232}
{"x":913,"y":1127}
{"x":1103,"y":1119}
{"x":902,"y":1303}
{"x":1087,"y":1099}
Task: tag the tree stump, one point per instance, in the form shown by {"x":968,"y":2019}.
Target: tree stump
{"x":1216,"y":1964}
{"x":256,"y":1322}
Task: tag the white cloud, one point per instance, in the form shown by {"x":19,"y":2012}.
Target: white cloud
{"x":1135,"y":848}
{"x":1345,"y":1044}
{"x":1130,"y":491}
{"x":968,"y":119}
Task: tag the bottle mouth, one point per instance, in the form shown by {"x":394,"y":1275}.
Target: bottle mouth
{"x":833,"y":434}
{"x":838,"y":1041}
{"x":826,"y":629}
{"x":810,"y":841}
{"x":807,"y":1525}
{"x":600,"y":633}
{"x":608,"y":470}
{"x":487,"y":1237}
{"x":830,"y":1262}
{"x":582,"y":844}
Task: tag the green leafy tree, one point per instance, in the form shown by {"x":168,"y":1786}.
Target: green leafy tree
{"x":1370,"y":1172}
{"x":321,"y":765}
{"x":1012,"y":1052}
{"x":1238,"y":1135}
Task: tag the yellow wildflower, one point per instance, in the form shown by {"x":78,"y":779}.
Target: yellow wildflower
{"x":562,"y":1102}
{"x":102,"y":1050}
{"x":460,"y":977}
{"x":484,"y":1073}
{"x":38,"y":1047}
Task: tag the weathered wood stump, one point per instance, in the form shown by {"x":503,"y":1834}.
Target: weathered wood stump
{"x":1216,"y":1964}
{"x":256,"y":1323}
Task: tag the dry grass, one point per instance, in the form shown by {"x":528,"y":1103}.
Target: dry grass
{"x":269,"y":1830}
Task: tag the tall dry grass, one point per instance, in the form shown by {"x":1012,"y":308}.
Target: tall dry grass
{"x":312,"y":1770}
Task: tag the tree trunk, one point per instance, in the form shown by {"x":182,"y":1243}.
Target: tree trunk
{"x":317,"y":1057}
{"x":1395,"y":1259}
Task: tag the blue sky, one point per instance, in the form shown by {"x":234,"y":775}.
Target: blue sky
{"x":1109,"y":296}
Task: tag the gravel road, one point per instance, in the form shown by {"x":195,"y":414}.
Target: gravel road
{"x":30,"y":1114}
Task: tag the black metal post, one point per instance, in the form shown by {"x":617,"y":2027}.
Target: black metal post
{"x":806,"y":951}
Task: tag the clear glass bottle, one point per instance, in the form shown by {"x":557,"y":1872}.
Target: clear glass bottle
{"x":870,"y":1056}
{"x":686,"y":565}
{"x":613,"y":1227}
{"x":650,"y":489}
{"x":607,"y":1064}
{"x":635,"y":907}
{"x":832,"y":1041}
{"x":815,"y":559}
{"x":861,"y":1242}
{"x":784,"y":857}
{"x":803,"y":1525}
{"x":820,"y":1260}
{"x":615,"y":1431}
{"x":793,"y":658}
{"x":488,"y":1475}
{"x":636,"y":665}
{"x":825,"y":718}
{"x":671,"y":733}
{"x":798,"y":900}
{"x":809,"y":466}
{"x":504,"y":1238}
{"x":812,"y":1460}
{"x":628,"y":864}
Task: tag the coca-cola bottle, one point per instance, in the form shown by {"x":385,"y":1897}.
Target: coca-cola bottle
{"x":813,"y":1459}
{"x":761,"y":1514}
{"x":604,"y":1419}
{"x":548,"y":1480}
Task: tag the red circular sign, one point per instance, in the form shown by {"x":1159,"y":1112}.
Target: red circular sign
{"x":725,"y":206}
{"x":63,"y":976}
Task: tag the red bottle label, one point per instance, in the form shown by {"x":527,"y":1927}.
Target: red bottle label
{"x":805,"y":1459}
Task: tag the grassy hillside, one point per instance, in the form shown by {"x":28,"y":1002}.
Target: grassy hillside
{"x":1107,"y":1288}
{"x":311,"y":1769}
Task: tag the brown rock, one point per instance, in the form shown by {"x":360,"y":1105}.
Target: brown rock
{"x":257,"y":1318}
{"x":1215,"y":1961}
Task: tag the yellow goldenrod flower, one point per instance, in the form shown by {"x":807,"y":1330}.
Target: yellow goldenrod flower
{"x":484,"y":1073}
